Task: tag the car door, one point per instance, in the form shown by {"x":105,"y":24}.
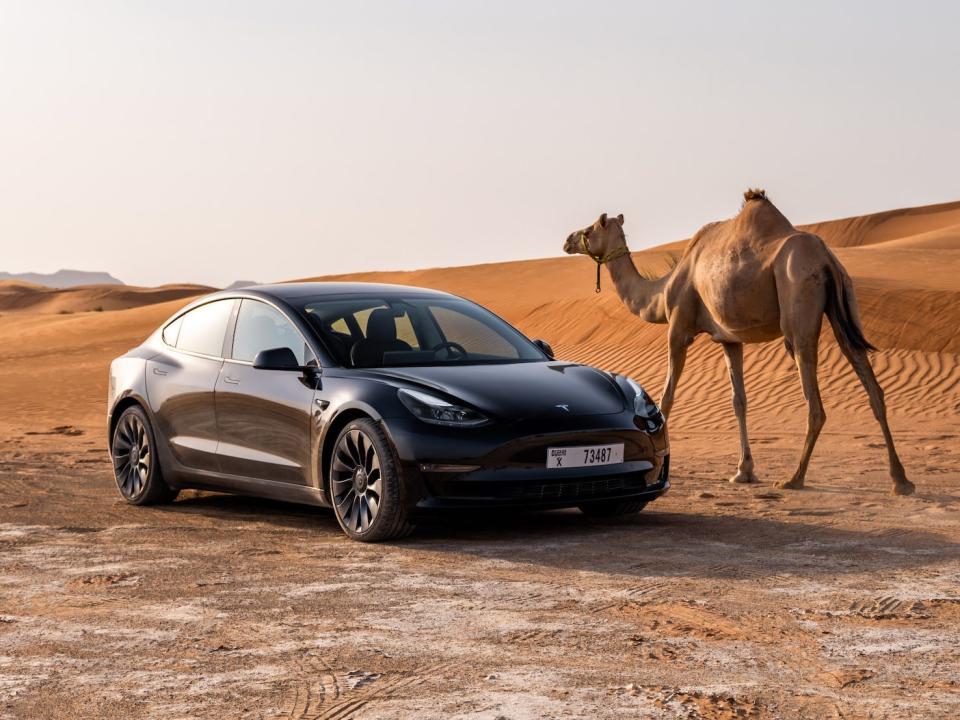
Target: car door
{"x":264,"y":416}
{"x":182,"y":379}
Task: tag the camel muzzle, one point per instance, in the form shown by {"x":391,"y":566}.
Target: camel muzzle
{"x":571,"y":245}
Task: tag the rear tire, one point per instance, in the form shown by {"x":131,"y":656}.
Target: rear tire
{"x":136,"y":463}
{"x":612,"y":508}
{"x":364,"y":483}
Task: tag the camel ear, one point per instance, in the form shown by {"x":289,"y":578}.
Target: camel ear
{"x":603,"y":220}
{"x":620,"y":219}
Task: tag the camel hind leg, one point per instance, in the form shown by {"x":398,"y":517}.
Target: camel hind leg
{"x":805,"y":354}
{"x":861,"y":365}
{"x":802,"y":295}
{"x":844,"y":317}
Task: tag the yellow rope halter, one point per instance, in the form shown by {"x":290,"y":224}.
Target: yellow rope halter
{"x":602,"y":259}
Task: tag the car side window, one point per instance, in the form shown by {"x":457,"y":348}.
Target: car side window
{"x":263,"y":327}
{"x":202,"y":329}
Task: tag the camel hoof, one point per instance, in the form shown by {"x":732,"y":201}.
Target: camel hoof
{"x":745,"y":477}
{"x":904,"y":487}
{"x":792,"y":484}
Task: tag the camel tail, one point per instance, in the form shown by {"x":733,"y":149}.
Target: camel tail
{"x":841,"y":309}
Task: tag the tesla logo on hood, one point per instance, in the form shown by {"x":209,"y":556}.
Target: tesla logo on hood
{"x":563,"y":407}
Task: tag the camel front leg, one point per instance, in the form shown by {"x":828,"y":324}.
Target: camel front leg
{"x":806,"y":355}
{"x":733,"y":354}
{"x":677,"y":349}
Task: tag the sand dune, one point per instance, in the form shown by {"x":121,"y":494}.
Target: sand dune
{"x":56,"y":365}
{"x":20,"y":296}
{"x":942,"y":238}
{"x":885,"y":226}
{"x":907,"y":286}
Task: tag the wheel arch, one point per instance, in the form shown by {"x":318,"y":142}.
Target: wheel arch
{"x":118,"y":409}
{"x":333,"y":430}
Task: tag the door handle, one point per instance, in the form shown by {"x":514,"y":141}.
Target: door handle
{"x":231,"y":380}
{"x":158,"y":371}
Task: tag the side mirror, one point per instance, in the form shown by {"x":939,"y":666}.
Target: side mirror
{"x":281,"y":358}
{"x":545,"y":348}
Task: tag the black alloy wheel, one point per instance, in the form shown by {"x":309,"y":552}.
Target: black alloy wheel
{"x":135,"y":462}
{"x":365,"y":484}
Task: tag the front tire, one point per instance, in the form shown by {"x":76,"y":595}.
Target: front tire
{"x":136,"y":463}
{"x":612,"y":508}
{"x":365,"y":484}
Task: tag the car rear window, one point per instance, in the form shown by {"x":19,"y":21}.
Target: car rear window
{"x":202,"y":329}
{"x":171,"y":332}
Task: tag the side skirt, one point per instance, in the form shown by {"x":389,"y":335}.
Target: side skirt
{"x":221,"y":482}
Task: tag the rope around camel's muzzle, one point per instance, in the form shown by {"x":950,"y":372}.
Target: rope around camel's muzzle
{"x":602,"y":259}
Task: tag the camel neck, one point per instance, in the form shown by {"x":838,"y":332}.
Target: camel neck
{"x":642,"y":296}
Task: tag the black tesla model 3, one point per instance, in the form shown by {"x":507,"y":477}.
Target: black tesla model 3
{"x":383,"y":402}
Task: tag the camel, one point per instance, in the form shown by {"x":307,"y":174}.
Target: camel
{"x":750,"y":279}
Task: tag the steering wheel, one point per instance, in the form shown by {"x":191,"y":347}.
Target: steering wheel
{"x":451,"y":347}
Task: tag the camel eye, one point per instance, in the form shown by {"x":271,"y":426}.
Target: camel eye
{"x":586,"y":233}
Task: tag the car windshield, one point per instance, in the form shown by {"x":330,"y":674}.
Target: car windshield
{"x":369,"y":332}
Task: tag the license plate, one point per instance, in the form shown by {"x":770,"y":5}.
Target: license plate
{"x":584,"y":456}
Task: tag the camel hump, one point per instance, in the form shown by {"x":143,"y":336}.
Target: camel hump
{"x":762,"y":218}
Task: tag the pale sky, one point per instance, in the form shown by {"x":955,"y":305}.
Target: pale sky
{"x":212,"y":141}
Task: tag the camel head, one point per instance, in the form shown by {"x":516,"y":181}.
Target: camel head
{"x":599,"y":240}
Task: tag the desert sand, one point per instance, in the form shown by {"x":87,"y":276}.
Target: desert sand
{"x":718,"y":601}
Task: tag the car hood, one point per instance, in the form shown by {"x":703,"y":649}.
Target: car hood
{"x":518,"y":390}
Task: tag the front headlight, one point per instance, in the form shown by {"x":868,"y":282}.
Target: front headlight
{"x":644,"y":406}
{"x":438,"y":411}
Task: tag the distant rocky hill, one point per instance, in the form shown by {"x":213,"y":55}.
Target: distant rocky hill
{"x":63,"y":278}
{"x":237,"y":284}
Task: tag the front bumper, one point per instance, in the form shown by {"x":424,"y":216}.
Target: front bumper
{"x":505,"y":465}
